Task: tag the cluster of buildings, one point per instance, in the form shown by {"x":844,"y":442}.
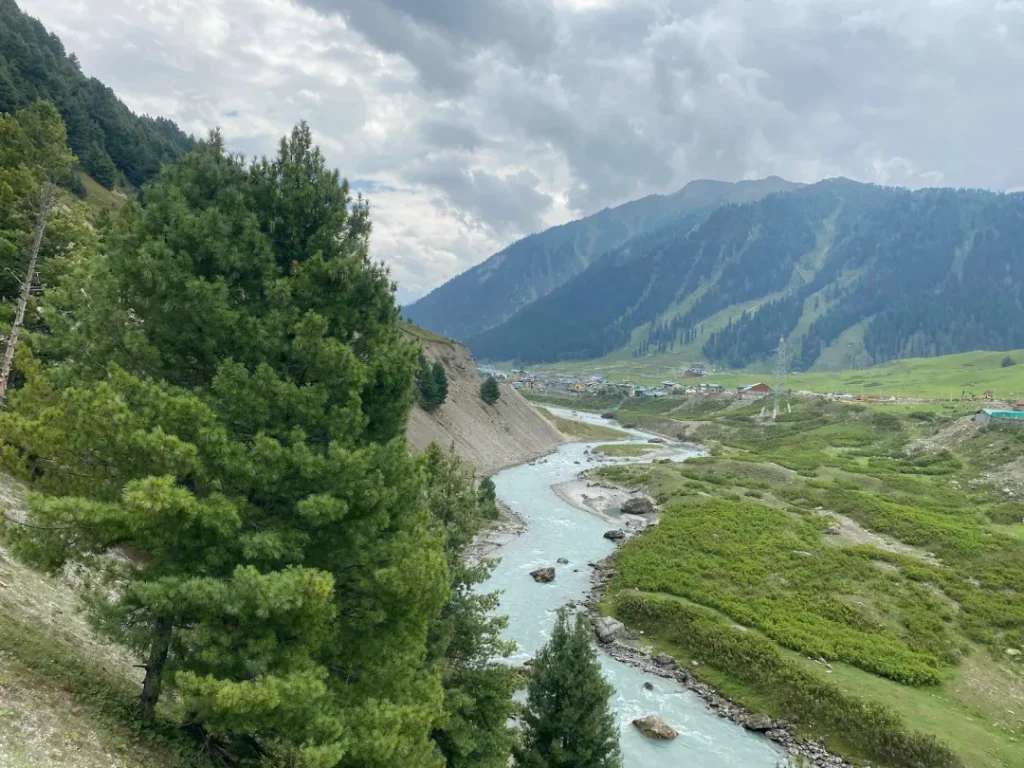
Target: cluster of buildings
{"x":558,"y":383}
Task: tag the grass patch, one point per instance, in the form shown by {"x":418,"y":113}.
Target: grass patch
{"x":581,"y":430}
{"x":623,"y":450}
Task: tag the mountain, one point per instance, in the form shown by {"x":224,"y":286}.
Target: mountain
{"x":529,"y":269}
{"x":109,"y":140}
{"x":847,"y":273}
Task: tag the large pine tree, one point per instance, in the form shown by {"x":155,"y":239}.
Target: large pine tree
{"x":215,"y":422}
{"x":568,"y":722}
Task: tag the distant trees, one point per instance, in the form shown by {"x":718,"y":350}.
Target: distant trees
{"x":110,"y":142}
{"x":1007,"y":362}
{"x":431,"y":384}
{"x":489,"y":391}
{"x":568,"y":722}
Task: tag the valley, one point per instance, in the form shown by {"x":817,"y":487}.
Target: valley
{"x":841,"y":555}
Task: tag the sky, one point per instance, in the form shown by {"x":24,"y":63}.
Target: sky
{"x":469,"y":124}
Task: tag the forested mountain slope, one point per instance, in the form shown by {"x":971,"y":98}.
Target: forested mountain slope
{"x":839,"y":269}
{"x":529,"y":269}
{"x":108,"y":139}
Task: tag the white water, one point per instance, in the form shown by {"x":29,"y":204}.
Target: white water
{"x":557,"y":529}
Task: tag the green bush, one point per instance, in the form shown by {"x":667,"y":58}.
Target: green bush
{"x":801,"y":696}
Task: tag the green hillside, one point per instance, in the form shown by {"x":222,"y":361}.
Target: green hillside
{"x":849,"y":274}
{"x":111,"y":143}
{"x":531,"y":268}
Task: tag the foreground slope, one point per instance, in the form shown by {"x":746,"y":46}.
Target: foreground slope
{"x":489,"y":437}
{"x":531,"y":268}
{"x":850,"y":274}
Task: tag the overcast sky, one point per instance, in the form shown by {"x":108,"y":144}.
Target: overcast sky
{"x":471,"y":123}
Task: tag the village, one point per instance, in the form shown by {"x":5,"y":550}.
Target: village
{"x":694,"y":383}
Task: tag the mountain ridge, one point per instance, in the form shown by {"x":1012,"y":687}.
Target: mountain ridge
{"x":530,"y":268}
{"x":809,"y":265}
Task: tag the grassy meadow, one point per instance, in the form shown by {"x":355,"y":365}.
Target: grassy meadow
{"x":944,"y":377}
{"x":856,"y":570}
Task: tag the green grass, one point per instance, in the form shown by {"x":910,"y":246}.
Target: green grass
{"x":623,"y":450}
{"x":914,"y":598}
{"x":99,"y":197}
{"x":927,"y":377}
{"x":582,"y":431}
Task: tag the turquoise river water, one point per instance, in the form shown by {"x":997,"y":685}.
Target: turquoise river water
{"x":556,"y":529}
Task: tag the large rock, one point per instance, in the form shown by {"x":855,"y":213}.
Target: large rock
{"x":543,"y":575}
{"x":615,"y":535}
{"x":759,"y":723}
{"x":607,"y":629}
{"x":653,"y":727}
{"x":639,"y":505}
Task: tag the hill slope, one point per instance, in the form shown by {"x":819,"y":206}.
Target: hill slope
{"x":846,"y":272}
{"x":489,"y":437}
{"x":108,"y":139}
{"x":531,"y":268}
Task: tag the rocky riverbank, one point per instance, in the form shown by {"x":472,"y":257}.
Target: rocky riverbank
{"x":620,"y":644}
{"x":617,"y":642}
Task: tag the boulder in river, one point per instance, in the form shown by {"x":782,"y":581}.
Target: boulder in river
{"x":657,"y":440}
{"x":543,"y":575}
{"x":615,"y":535}
{"x":639,"y":505}
{"x":607,"y":629}
{"x":665,"y":661}
{"x":562,"y":561}
{"x":653,"y":727}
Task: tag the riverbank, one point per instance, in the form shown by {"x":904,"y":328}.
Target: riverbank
{"x":852,"y":564}
{"x":630,"y":649}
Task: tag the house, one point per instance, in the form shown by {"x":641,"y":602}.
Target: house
{"x":753,"y":391}
{"x":695,"y":370}
{"x":987,"y":415}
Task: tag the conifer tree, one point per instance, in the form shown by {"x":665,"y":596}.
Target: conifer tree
{"x":440,"y":379}
{"x":489,"y":391}
{"x":466,"y":638}
{"x":222,"y":398}
{"x":568,"y":722}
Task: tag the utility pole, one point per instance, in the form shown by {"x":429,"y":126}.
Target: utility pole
{"x":46,"y":196}
{"x":781,"y":368}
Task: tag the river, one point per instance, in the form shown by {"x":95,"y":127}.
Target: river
{"x":556,"y":529}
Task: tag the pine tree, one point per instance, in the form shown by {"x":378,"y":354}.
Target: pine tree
{"x":568,"y":722}
{"x":466,"y":638}
{"x":431,"y":384}
{"x":440,"y":379}
{"x":489,"y":391}
{"x":228,"y":406}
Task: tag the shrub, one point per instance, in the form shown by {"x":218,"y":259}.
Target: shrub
{"x":1008,"y":361}
{"x":489,"y":391}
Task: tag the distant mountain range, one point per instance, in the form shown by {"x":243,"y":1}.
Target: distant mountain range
{"x":112,"y":143}
{"x":492,"y":292}
{"x":847,"y":273}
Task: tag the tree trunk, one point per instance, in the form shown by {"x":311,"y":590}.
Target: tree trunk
{"x":45,"y":202}
{"x":158,"y":649}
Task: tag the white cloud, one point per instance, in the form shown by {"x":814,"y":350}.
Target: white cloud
{"x":473,"y":123}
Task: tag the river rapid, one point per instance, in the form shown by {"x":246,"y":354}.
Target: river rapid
{"x":555,"y":529}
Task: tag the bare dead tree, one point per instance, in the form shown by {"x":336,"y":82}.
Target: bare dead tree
{"x":46,"y":198}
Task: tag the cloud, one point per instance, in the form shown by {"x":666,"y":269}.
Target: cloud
{"x":469,"y":124}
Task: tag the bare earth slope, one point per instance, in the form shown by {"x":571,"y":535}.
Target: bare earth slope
{"x":487,"y":436}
